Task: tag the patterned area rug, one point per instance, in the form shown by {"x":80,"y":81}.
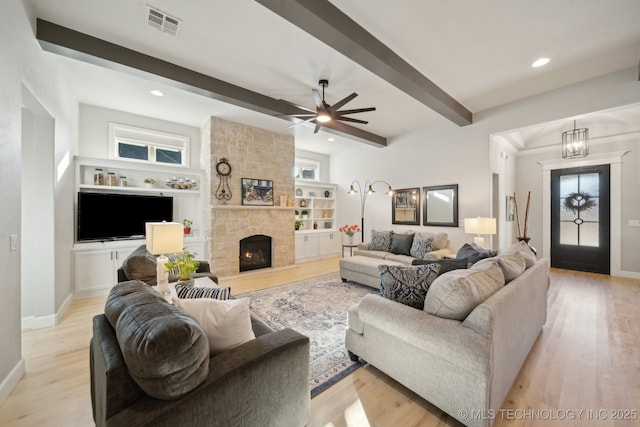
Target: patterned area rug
{"x":316,"y":308}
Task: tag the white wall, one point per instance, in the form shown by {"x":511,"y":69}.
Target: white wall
{"x":447,"y":154}
{"x":24,"y":65}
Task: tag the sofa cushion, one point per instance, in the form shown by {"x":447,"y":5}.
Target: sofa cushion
{"x":227,"y":324}
{"x":524,"y":250}
{"x":511,"y":265}
{"x":401,"y":243}
{"x":371,"y":254}
{"x":186,"y":292}
{"x":380,"y":240}
{"x":474,"y":253}
{"x":402,"y":259}
{"x":445,"y":264}
{"x":455,"y":294}
{"x":141,"y":265}
{"x":420,"y":246}
{"x":407,"y":285}
{"x":166,"y":351}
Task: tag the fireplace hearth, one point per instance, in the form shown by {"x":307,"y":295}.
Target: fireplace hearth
{"x":255,"y":252}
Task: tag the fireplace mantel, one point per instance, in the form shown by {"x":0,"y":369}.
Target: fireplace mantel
{"x":238,"y":207}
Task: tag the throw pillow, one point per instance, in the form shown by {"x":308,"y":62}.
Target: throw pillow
{"x":407,"y":285}
{"x":511,"y":265}
{"x":420,"y":246}
{"x":380,"y":240}
{"x":401,"y":243}
{"x":227,"y":324}
{"x":440,"y":241}
{"x":524,"y":250}
{"x":474,"y":253}
{"x":454,"y":295}
{"x":185,"y":292}
{"x":445,"y":264}
{"x":141,"y":265}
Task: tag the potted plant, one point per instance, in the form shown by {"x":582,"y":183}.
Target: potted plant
{"x":187,"y":223}
{"x":149,"y":182}
{"x":305,"y":214}
{"x":185,"y":264}
{"x":297,"y":214}
{"x":298,"y":224}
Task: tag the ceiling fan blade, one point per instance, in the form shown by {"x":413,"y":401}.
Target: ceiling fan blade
{"x":297,"y":116}
{"x":337,"y":105}
{"x":357,"y":110}
{"x":310,"y":119}
{"x":317,"y":99}
{"x":349,"y":119}
{"x":318,"y":125}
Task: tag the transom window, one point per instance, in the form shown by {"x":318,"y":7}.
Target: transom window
{"x":307,"y":169}
{"x":147,"y":146}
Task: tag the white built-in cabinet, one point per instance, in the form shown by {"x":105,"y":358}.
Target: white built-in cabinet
{"x":95,"y":264}
{"x":318,"y":235}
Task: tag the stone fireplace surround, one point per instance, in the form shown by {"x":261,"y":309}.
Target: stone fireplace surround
{"x":252,"y":153}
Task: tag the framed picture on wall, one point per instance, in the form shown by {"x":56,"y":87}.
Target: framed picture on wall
{"x":257,"y":192}
{"x":510,"y":208}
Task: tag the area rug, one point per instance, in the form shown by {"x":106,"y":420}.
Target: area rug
{"x":316,"y":308}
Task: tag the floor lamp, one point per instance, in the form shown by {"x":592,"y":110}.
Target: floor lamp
{"x":479,"y":226}
{"x":164,"y":238}
{"x":363,"y":196}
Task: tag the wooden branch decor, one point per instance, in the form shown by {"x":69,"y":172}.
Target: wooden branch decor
{"x":521,"y":235}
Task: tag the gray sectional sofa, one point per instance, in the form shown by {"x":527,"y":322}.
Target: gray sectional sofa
{"x":463,"y":348}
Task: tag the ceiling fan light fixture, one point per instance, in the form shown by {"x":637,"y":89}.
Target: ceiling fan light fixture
{"x":323,"y":118}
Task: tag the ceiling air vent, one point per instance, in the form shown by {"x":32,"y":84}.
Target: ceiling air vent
{"x":163,"y":22}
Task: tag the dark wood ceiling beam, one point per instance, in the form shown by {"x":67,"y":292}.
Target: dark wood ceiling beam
{"x":73,"y":44}
{"x":328,"y":24}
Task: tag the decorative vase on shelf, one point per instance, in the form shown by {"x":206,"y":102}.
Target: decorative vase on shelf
{"x":189,"y":282}
{"x":348,"y":239}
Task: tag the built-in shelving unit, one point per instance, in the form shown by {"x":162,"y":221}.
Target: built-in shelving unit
{"x":318,"y":235}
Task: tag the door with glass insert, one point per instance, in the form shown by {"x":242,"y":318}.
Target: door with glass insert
{"x":580,"y":214}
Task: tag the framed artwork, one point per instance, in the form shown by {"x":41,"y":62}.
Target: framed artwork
{"x":257,"y":192}
{"x":441,"y":205}
{"x":405,"y":206}
{"x":510,"y":208}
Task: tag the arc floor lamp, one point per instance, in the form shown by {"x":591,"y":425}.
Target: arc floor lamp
{"x":363,"y":196}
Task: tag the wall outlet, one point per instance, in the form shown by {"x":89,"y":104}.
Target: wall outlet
{"x":634,"y":223}
{"x":13,"y":242}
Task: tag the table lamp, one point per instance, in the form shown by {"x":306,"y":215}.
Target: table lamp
{"x":163,"y":238}
{"x":479,"y":226}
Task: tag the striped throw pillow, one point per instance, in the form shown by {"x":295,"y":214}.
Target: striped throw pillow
{"x":186,"y":292}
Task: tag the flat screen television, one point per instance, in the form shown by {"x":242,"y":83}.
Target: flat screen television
{"x":107,"y":216}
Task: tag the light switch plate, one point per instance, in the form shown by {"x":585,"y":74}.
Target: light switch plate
{"x":13,"y":242}
{"x":634,"y":222}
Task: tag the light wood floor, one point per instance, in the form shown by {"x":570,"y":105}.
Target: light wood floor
{"x":586,"y":358}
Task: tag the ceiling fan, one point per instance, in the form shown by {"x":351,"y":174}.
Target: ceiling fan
{"x":325,"y":113}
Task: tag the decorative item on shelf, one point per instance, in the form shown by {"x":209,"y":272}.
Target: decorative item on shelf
{"x":312,"y":194}
{"x":305,"y":214}
{"x":223,"y":170}
{"x":297,"y":213}
{"x":315,"y":225}
{"x":349,"y":232}
{"x":575,"y":143}
{"x":298,"y":224}
{"x":122,"y":181}
{"x":299,"y":192}
{"x":522,"y":236}
{"x":163,"y":238}
{"x":98,"y":176}
{"x":363,"y":196}
{"x":479,"y":226}
{"x":303,"y":203}
{"x":180,"y":183}
{"x":111,"y":179}
{"x":327,"y":224}
{"x":183,"y":266}
{"x":327,"y":194}
{"x":187,"y":223}
{"x":283,"y":200}
{"x":149,"y":182}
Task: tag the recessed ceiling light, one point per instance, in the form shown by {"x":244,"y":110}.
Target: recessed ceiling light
{"x":540,"y":62}
{"x":331,"y":139}
{"x":156,"y":92}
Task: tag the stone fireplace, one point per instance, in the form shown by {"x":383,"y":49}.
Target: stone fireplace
{"x":255,"y":252}
{"x":252,"y":153}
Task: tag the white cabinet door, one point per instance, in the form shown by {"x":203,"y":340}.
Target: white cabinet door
{"x":94,"y":271}
{"x":329,"y":243}
{"x":306,"y":246}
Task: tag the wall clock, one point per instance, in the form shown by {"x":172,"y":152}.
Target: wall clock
{"x":223,"y":170}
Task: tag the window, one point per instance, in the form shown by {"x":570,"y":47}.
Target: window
{"x":148,"y":146}
{"x":307,"y":169}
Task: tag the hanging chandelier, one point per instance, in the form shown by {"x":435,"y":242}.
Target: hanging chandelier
{"x":575,"y":143}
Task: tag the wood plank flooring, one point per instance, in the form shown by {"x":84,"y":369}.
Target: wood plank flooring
{"x":587,"y":359}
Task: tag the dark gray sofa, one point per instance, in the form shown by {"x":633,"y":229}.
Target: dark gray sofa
{"x":263,"y":382}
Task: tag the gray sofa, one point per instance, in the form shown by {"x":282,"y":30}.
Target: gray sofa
{"x":150,"y":366}
{"x":463,"y":350}
{"x":363,"y":266}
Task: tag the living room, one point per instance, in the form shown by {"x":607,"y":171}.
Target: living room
{"x":441,"y":153}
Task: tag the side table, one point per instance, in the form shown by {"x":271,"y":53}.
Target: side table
{"x":350,"y":246}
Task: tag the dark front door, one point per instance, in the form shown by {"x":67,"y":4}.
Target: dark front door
{"x":580,"y":219}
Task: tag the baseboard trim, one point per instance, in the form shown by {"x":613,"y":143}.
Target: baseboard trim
{"x":39,"y":322}
{"x":11,"y":380}
{"x":627,"y":274}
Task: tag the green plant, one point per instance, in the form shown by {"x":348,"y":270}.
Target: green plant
{"x":186,"y":264}
{"x":149,"y":181}
{"x":297,"y":212}
{"x":305,"y":212}
{"x":187,"y":223}
{"x":298,"y":224}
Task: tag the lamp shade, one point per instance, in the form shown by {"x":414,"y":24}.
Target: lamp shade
{"x":164,"y":237}
{"x":480,"y":225}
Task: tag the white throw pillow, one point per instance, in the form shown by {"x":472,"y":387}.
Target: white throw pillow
{"x":227,"y":323}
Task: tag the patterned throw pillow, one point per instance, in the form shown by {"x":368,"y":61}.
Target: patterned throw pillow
{"x":380,"y":240}
{"x":188,"y":292}
{"x":421,"y":246}
{"x":407,"y":285}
